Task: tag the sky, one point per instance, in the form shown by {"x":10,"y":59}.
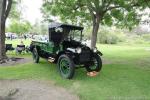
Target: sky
{"x":31,"y":10}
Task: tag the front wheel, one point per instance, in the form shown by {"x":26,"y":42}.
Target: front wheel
{"x":35,"y":55}
{"x":97,"y":64}
{"x":66,"y":66}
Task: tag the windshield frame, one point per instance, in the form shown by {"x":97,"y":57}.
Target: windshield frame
{"x":72,"y":35}
{"x":69,"y":33}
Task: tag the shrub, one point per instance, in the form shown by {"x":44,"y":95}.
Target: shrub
{"x":146,"y":37}
{"x":109,"y":36}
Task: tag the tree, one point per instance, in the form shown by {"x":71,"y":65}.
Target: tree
{"x":19,"y":27}
{"x":36,"y":28}
{"x":5,"y":6}
{"x":39,"y":28}
{"x":15,"y":11}
{"x":122,"y":13}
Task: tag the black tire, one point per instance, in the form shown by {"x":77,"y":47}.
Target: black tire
{"x":97,"y":64}
{"x":66,"y":66}
{"x":35,"y":55}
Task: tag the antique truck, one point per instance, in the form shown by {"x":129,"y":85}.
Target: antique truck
{"x":64,"y":47}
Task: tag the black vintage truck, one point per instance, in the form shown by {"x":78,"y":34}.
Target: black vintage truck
{"x":64,"y":47}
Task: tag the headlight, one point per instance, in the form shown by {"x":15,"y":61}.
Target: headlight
{"x":95,"y":49}
{"x":78,"y":50}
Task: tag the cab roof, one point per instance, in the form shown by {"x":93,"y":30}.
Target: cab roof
{"x":73,"y":27}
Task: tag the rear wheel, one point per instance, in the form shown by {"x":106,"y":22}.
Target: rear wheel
{"x":66,"y":66}
{"x":35,"y":55}
{"x":97,"y":64}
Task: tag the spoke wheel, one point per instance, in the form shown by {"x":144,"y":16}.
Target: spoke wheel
{"x":97,"y":64}
{"x":35,"y":56}
{"x":66,"y":66}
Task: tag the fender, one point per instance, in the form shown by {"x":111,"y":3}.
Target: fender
{"x":100,"y":53}
{"x":69,"y":53}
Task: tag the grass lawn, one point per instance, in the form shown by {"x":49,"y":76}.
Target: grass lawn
{"x":125,"y":74}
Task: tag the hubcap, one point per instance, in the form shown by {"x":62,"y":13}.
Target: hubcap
{"x":64,"y":66}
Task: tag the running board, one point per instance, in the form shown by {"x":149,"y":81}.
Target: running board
{"x":50,"y":59}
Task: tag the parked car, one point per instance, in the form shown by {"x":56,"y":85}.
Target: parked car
{"x":65,"y":48}
{"x":14,"y":36}
{"x":10,"y":35}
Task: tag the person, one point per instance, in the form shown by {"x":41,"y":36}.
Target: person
{"x":11,"y":37}
{"x":66,"y":33}
{"x":25,"y":37}
{"x":21,"y":43}
{"x":20,"y":47}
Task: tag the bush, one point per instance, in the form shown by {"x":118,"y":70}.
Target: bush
{"x":138,"y":39}
{"x":109,"y":36}
{"x":146,"y":37}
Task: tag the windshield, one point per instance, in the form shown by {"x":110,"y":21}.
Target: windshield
{"x":75,"y":35}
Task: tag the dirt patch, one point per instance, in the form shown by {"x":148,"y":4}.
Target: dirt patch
{"x":15,"y":61}
{"x":33,"y":90}
{"x":106,"y":61}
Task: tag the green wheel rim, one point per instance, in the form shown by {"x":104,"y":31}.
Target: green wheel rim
{"x":93,"y":67}
{"x":64,"y":67}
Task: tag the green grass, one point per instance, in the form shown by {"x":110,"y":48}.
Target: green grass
{"x":125,"y":76}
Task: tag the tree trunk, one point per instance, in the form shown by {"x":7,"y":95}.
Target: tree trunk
{"x":2,"y":41}
{"x":96,"y":22}
{"x":2,"y":32}
{"x":5,"y":6}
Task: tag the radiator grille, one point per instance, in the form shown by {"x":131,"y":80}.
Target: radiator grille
{"x":85,"y":56}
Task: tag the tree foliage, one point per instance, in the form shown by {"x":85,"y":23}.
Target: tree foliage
{"x":19,"y":27}
{"x":122,"y":13}
{"x":39,"y":28}
{"x":14,"y":13}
